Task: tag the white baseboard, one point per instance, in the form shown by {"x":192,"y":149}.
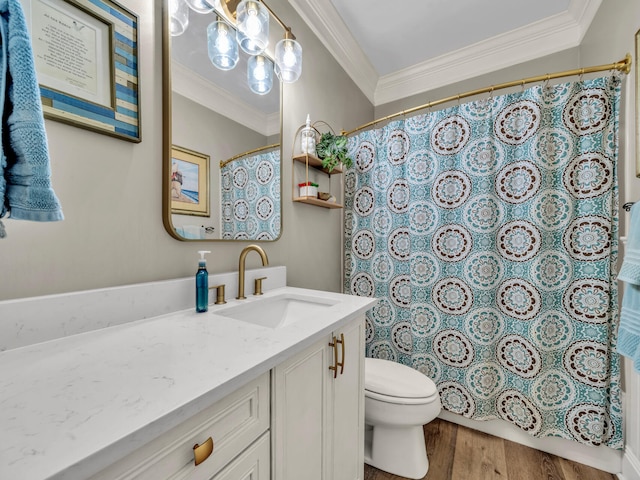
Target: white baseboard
{"x":630,"y":466}
{"x":602,"y":458}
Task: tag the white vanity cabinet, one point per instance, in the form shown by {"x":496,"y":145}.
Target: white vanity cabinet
{"x":318,"y":411}
{"x":239,"y":428}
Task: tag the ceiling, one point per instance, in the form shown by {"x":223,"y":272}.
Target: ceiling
{"x":419,"y":45}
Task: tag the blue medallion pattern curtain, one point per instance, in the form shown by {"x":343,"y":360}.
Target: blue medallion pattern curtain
{"x":489,"y":233}
{"x":251,"y":197}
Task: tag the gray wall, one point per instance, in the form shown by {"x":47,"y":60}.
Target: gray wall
{"x":198,"y":128}
{"x":111,"y":191}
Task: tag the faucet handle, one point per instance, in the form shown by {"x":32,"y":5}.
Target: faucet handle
{"x":219,"y":294}
{"x":258,"y":286}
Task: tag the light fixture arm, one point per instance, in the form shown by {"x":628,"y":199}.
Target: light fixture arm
{"x":288,"y":33}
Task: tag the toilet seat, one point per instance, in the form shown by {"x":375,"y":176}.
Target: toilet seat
{"x":400,"y":400}
{"x":393,"y":382}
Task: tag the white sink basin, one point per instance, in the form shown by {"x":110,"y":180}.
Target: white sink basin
{"x":278,"y":311}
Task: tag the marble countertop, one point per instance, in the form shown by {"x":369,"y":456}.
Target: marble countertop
{"x":73,"y":406}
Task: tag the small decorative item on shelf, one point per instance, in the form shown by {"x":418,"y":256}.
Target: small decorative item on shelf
{"x":332,"y":150}
{"x":308,"y":189}
{"x":324,"y":196}
{"x":308,"y":137}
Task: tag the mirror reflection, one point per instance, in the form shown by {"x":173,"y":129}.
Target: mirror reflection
{"x":231,"y":136}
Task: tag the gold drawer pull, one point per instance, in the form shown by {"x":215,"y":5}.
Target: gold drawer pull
{"x":202,"y":452}
{"x":334,"y":367}
{"x":340,"y":364}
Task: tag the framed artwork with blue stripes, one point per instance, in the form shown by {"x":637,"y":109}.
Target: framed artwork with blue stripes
{"x":86,"y":60}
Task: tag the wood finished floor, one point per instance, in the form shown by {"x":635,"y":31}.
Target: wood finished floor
{"x":459,"y":453}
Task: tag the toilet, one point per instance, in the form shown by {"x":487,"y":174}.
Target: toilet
{"x":398,"y":401}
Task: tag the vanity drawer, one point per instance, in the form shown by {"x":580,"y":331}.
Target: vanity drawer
{"x":253,"y":464}
{"x":233,"y":423}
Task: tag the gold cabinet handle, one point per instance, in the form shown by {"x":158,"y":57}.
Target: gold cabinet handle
{"x":340,"y":364}
{"x":202,"y":452}
{"x":334,"y":367}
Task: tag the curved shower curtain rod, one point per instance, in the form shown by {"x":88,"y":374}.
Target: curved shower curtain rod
{"x":245,"y":154}
{"x":623,"y":66}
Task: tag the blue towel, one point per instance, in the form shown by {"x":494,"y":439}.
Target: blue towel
{"x":630,"y":271}
{"x":629,"y":330}
{"x":25,"y":186}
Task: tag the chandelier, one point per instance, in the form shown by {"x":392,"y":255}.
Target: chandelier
{"x":242,"y":26}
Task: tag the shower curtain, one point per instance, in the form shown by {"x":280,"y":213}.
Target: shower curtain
{"x":488,"y":231}
{"x":251,"y":197}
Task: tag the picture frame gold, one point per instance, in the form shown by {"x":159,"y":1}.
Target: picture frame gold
{"x":637,"y":104}
{"x":86,"y":58}
{"x":189,"y":182}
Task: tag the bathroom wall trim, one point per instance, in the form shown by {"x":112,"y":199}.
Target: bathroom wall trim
{"x":565,"y":30}
{"x":630,"y":466}
{"x":603,"y":458}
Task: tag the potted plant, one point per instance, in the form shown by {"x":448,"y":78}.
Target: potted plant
{"x":332,"y":150}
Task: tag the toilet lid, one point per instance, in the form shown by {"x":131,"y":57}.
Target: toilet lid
{"x":396,"y":380}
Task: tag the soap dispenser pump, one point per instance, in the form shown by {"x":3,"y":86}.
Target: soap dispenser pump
{"x":202,"y":283}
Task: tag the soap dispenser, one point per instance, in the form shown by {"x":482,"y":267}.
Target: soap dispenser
{"x":308,"y":138}
{"x":202,"y":283}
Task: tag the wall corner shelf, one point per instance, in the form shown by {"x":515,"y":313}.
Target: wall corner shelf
{"x":311,"y":172}
{"x":317,"y":202}
{"x":316,"y":163}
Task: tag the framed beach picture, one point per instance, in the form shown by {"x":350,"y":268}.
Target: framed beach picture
{"x":189,"y":182}
{"x":86,"y":60}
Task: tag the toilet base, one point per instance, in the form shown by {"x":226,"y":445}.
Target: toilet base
{"x":400,"y":451}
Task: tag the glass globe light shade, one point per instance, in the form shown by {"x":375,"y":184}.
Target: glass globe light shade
{"x":252,"y":21}
{"x":222,"y":45}
{"x":178,"y":17}
{"x":202,"y":6}
{"x":260,"y":74}
{"x":288,"y":60}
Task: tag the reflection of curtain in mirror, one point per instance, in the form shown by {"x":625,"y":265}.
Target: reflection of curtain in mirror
{"x":251,"y":197}
{"x":488,"y":231}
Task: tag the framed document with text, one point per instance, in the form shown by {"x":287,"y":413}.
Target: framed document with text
{"x":86,"y":59}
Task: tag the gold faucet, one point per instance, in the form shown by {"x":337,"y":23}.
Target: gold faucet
{"x":243,"y":256}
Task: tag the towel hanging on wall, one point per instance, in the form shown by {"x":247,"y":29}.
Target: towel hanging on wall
{"x":629,"y":330}
{"x":25,"y":183}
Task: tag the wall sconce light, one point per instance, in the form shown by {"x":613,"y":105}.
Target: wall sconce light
{"x":222,"y":45}
{"x":252,"y":20}
{"x":288,"y":59}
{"x":260,"y":74}
{"x":178,"y":17}
{"x":201,"y":6}
{"x":251,"y":35}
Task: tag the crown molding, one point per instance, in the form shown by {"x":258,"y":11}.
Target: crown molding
{"x":552,"y":35}
{"x":198,"y":89}
{"x":323,"y":19}
{"x":545,"y":37}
